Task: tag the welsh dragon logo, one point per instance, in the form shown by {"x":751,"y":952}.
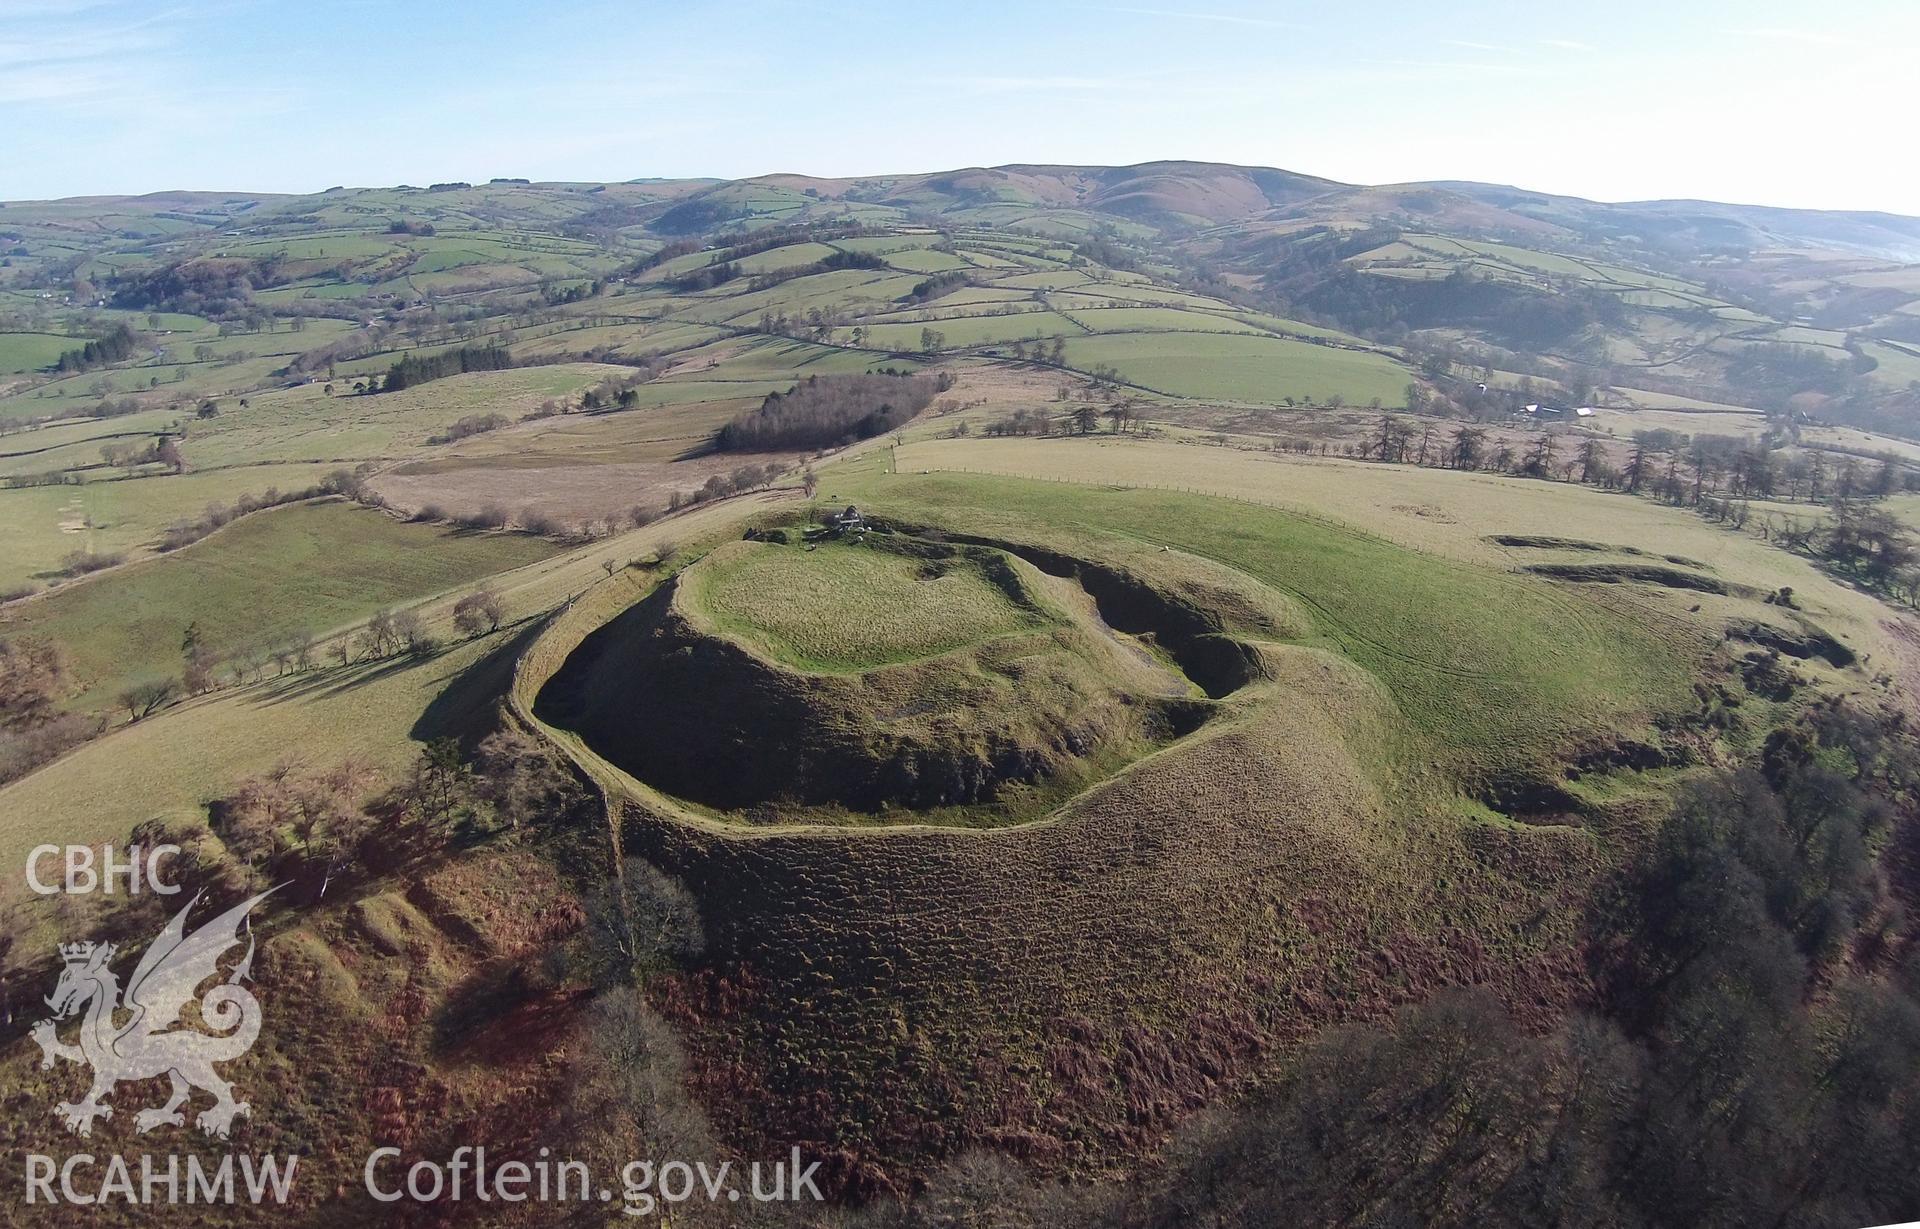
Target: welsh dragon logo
{"x":155,"y":1040}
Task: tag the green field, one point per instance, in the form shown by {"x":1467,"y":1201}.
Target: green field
{"x":33,"y":351}
{"x":1899,"y":365}
{"x":265,"y":578}
{"x":43,"y":452}
{"x":1156,"y":320}
{"x":186,"y":756}
{"x":39,"y":526}
{"x":1233,"y":368}
{"x":848,"y":608}
{"x":961,"y":331}
{"x":305,"y":424}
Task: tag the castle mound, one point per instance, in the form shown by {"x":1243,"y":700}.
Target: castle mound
{"x":855,"y":679}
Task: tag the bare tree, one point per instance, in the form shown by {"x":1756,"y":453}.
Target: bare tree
{"x":479,"y":612}
{"x":646,"y":921}
{"x":145,"y":698}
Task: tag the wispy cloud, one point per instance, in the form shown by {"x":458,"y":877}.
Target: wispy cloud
{"x":1235,"y":19}
{"x":1039,"y":82}
{"x":14,"y":9}
{"x":1454,"y":67}
{"x":53,"y":83}
{"x":78,"y":54}
{"x":1566,"y":44}
{"x":1812,"y":38}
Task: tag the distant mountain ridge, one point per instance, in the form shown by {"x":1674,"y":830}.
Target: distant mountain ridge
{"x":1212,"y":193}
{"x":1202,"y":194}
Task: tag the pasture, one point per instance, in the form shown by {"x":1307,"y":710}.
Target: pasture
{"x":185,"y":756}
{"x":266,"y":578}
{"x":1434,"y":511}
{"x":1236,"y":368}
{"x":849,"y":608}
{"x":33,"y":351}
{"x":306,"y":424}
{"x":194,"y":751}
{"x":1490,"y":695}
{"x":40,"y":526}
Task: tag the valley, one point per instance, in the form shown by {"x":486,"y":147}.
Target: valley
{"x":1032,"y":679}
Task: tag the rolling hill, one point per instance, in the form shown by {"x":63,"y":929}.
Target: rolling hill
{"x":1367,"y":676}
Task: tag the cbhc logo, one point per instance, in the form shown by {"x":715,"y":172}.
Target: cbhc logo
{"x":85,"y":872}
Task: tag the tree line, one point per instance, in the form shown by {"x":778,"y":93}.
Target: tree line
{"x":938,"y":286}
{"x":414,"y":369}
{"x":828,"y":264}
{"x":115,"y":346}
{"x":1718,"y":476}
{"x":828,"y":411}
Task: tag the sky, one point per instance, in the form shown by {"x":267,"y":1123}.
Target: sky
{"x":1775,"y":102}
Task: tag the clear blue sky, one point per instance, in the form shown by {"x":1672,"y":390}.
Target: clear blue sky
{"x":1763,"y":101}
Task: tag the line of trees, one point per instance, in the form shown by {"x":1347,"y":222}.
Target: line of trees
{"x":740,"y":247}
{"x":116,"y":345}
{"x":706,"y":277}
{"x":216,"y":515}
{"x":831,"y":264}
{"x":719,"y":486}
{"x":938,"y":286}
{"x":415,"y":369}
{"x":828,"y":411}
{"x":1083,"y":418}
{"x":1718,"y":476}
{"x":163,"y":450}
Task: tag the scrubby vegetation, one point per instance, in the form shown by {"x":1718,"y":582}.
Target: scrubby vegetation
{"x":472,"y":424}
{"x":34,"y":727}
{"x":1755,"y":1059}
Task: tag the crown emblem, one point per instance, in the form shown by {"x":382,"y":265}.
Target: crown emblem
{"x":163,"y":1004}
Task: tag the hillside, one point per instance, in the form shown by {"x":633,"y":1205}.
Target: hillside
{"x":1796,"y":311}
{"x":1123,"y":697}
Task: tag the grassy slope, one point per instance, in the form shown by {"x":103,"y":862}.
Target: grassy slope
{"x":1235,"y":368}
{"x":39,"y":526}
{"x":174,"y":763}
{"x":1496,"y":669}
{"x":266,"y":577}
{"x":1439,"y":511}
{"x":194,"y":751}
